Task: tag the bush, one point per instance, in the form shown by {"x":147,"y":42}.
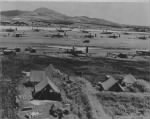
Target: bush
{"x":141,"y":86}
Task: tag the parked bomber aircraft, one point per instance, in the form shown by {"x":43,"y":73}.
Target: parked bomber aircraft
{"x":74,"y":50}
{"x":62,"y":30}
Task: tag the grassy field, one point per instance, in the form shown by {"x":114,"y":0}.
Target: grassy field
{"x":94,"y":69}
{"x":124,"y":104}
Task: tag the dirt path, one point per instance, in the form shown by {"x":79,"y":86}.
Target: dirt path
{"x":97,"y":109}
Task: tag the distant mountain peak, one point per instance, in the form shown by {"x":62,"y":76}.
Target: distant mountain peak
{"x":43,"y":9}
{"x":51,"y":16}
{"x":47,"y":11}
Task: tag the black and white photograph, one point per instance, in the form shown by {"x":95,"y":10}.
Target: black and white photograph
{"x":74,"y":59}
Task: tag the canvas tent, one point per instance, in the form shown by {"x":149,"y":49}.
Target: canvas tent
{"x":46,"y":89}
{"x":46,"y":82}
{"x":52,"y":72}
{"x":36,"y":76}
{"x":44,"y":86}
{"x":108,"y":84}
{"x":128,"y":80}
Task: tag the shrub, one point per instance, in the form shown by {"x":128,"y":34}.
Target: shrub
{"x":141,"y":86}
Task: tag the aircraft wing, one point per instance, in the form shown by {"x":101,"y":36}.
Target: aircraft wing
{"x":80,"y":48}
{"x":60,"y":47}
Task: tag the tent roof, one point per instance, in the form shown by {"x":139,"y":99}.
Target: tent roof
{"x":53,"y":86}
{"x":46,"y":81}
{"x":37,"y":76}
{"x":45,"y":78}
{"x":51,"y":72}
{"x":109,"y":83}
{"x":41,"y":85}
{"x":129,"y":79}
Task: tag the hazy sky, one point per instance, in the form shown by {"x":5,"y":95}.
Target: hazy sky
{"x":125,"y":13}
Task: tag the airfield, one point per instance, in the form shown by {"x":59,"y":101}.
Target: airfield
{"x":129,"y":42}
{"x":84,"y":69}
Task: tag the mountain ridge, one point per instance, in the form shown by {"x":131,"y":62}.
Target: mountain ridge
{"x":48,"y":15}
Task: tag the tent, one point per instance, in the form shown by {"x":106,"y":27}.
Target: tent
{"x":36,"y":76}
{"x":106,"y":85}
{"x":46,"y":90}
{"x":128,"y":80}
{"x":46,"y":82}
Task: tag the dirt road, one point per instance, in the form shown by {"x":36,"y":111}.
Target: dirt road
{"x":97,"y":109}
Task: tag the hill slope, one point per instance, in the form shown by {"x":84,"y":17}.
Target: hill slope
{"x":46,"y":15}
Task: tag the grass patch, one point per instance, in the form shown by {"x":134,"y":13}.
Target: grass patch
{"x":123,"y":104}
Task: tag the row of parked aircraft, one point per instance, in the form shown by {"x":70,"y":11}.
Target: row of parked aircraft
{"x":74,"y":50}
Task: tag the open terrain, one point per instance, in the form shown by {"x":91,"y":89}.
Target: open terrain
{"x":85,"y":70}
{"x":94,"y":69}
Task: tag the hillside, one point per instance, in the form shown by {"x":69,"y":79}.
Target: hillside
{"x":46,"y":15}
{"x":12,"y":13}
